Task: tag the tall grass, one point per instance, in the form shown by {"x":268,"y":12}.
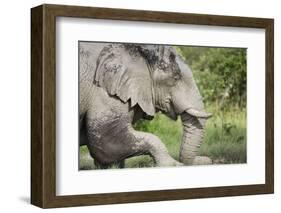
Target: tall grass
{"x":224,"y":140}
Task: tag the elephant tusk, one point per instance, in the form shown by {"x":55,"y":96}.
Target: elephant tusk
{"x":198,"y":114}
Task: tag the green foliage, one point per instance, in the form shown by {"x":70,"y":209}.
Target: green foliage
{"x":220,"y":74}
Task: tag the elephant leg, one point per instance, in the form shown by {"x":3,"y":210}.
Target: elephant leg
{"x":110,"y":142}
{"x":151,"y":144}
{"x":119,"y":165}
{"x":113,"y":140}
{"x":99,"y":165}
{"x":83,"y":139}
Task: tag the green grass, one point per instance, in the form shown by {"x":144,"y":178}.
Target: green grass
{"x":86,"y":162}
{"x":224,"y":140}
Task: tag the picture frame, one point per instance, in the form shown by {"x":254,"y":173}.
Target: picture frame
{"x":43,"y":105}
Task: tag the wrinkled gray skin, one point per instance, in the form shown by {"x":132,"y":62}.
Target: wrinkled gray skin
{"x":122,"y":83}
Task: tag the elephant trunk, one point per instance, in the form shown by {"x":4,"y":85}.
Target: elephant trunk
{"x":193,"y":131}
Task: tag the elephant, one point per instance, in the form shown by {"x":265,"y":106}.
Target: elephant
{"x":121,"y":83}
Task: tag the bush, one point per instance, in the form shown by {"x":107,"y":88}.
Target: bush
{"x":220,"y":74}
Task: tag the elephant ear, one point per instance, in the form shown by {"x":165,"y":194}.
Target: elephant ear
{"x":124,"y":73}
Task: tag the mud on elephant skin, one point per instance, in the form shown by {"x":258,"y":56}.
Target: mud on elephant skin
{"x":122,"y":83}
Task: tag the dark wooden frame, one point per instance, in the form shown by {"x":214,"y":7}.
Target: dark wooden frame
{"x":43,"y":105}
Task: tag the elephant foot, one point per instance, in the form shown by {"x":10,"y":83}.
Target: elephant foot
{"x":170,"y":162}
{"x":120,"y":165}
{"x":202,"y":160}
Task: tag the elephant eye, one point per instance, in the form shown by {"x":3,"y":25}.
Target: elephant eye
{"x":162,"y":65}
{"x":177,"y":77}
{"x":172,"y":57}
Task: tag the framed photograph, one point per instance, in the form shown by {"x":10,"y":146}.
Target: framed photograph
{"x":136,"y":106}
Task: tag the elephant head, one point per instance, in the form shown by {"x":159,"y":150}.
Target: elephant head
{"x":156,"y":78}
